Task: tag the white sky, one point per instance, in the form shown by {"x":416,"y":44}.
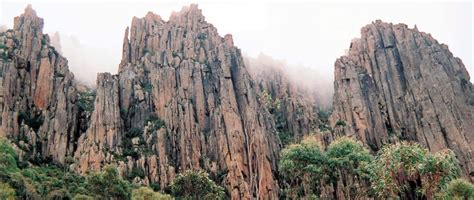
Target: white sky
{"x":304,"y":33}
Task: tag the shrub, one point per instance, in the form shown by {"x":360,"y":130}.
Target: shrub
{"x":6,"y":192}
{"x":409,"y":170}
{"x":302,"y":166}
{"x":82,"y":197}
{"x":341,"y":123}
{"x":146,"y":193}
{"x":136,"y":172}
{"x":458,"y":189}
{"x":156,"y":122}
{"x":323,"y":117}
{"x":108,"y":184}
{"x":86,"y":100}
{"x":147,"y":87}
{"x":195,"y":185}
{"x":347,"y":155}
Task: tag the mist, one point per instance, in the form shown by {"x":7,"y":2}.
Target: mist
{"x":304,"y":34}
{"x":83,"y":60}
{"x":318,"y":84}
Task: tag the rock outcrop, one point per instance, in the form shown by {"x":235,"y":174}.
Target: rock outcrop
{"x":182,"y":99}
{"x":397,"y":83}
{"x":294,"y":106}
{"x":38,"y":93}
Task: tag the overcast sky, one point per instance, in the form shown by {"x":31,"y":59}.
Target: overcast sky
{"x":311,"y":34}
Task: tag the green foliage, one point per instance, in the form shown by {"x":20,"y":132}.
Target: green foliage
{"x":128,"y":148}
{"x":47,"y":182}
{"x":82,"y":197}
{"x":347,"y":156}
{"x":86,"y":100}
{"x":340,"y":123}
{"x":107,"y":184}
{"x":323,"y":116}
{"x":136,"y":172}
{"x":6,"y":192}
{"x":302,"y":166}
{"x":458,"y":189}
{"x":147,"y":87}
{"x":407,"y":169}
{"x":196,"y":185}
{"x":33,"y":121}
{"x":146,"y":193}
{"x":274,"y":107}
{"x":54,"y":182}
{"x":4,"y":55}
{"x":156,"y":122}
{"x":4,"y":52}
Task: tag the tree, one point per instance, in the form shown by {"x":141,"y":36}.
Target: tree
{"x":146,"y":193}
{"x":346,"y":160}
{"x":108,"y":184}
{"x":6,"y":192}
{"x":302,"y":166}
{"x":195,"y":185}
{"x":408,"y":170}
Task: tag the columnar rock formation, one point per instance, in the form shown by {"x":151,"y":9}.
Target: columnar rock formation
{"x":398,"y":83}
{"x":183,"y":99}
{"x":184,"y":94}
{"x":37,"y":91}
{"x":292,"y":104}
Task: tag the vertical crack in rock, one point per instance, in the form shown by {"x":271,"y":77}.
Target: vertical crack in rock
{"x":398,"y":83}
{"x":187,"y":94}
{"x":38,"y":93}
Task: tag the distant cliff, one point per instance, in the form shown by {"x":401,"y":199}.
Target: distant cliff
{"x":398,"y":83}
{"x":184,"y":98}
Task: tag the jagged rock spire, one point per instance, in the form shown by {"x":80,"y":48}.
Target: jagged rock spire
{"x":397,"y":83}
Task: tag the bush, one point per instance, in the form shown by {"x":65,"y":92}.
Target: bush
{"x":347,"y":155}
{"x":6,"y":192}
{"x":146,"y":193}
{"x":108,"y":184}
{"x":147,"y":87}
{"x":136,"y":172}
{"x":156,"y":122}
{"x":341,"y":123}
{"x":302,"y":166}
{"x":82,"y":197}
{"x":86,"y":100}
{"x":458,"y":189}
{"x":409,"y":170}
{"x":195,"y":185}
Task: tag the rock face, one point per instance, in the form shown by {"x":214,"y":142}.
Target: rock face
{"x":37,"y":91}
{"x":398,"y":83}
{"x":293,"y":106}
{"x":182,"y":99}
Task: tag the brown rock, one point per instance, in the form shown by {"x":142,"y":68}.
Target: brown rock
{"x":38,"y":92}
{"x":184,"y":73}
{"x":398,"y":83}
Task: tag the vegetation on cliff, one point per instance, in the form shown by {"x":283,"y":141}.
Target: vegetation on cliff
{"x":402,"y":170}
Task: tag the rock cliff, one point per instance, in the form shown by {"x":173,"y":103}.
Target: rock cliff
{"x":398,"y":83}
{"x":182,"y":99}
{"x":294,"y":105}
{"x":38,"y":93}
